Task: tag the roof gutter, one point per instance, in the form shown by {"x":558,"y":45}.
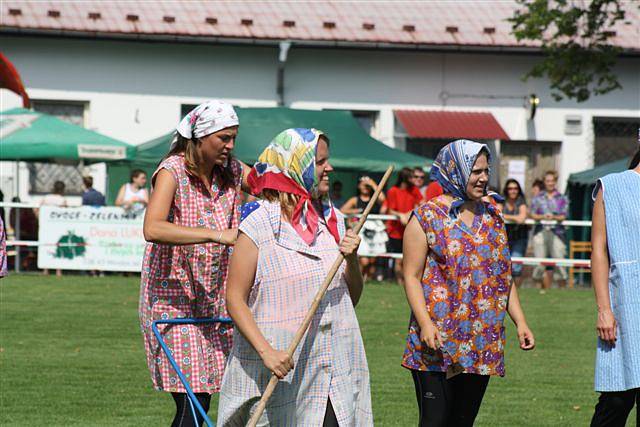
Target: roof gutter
{"x":242,"y":41}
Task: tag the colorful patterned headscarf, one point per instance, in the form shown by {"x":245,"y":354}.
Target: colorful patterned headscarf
{"x":288,"y":164}
{"x":452,"y":169}
{"x":206,"y":119}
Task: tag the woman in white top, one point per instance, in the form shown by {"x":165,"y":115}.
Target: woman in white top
{"x":133,"y":195}
{"x":56,"y":198}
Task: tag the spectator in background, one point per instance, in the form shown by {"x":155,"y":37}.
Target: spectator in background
{"x":373,"y":236}
{"x":402,"y":198}
{"x":434,"y":189}
{"x":133,"y":196}
{"x":28,"y":231}
{"x":91,"y":196}
{"x":336,"y":194}
{"x":549,"y":240}
{"x":536,"y":187}
{"x":515,"y":210}
{"x":419,"y":180}
{"x":56,"y":198}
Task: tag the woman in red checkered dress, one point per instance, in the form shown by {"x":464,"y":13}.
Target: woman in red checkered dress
{"x":191,"y":223}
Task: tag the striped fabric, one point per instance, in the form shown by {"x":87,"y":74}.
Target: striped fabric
{"x":330,"y":361}
{"x":618,"y":366}
{"x":189,"y":281}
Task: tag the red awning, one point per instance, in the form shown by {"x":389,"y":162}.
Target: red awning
{"x":450,"y":125}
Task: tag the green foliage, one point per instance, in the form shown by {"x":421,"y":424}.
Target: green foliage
{"x":574,"y":37}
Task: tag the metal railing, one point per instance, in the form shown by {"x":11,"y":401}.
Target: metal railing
{"x":17,"y":243}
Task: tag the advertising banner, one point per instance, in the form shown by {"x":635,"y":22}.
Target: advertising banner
{"x":90,"y":238}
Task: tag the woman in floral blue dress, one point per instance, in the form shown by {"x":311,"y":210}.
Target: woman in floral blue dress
{"x":458,"y":282}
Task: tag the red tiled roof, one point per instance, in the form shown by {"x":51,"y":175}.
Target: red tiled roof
{"x":450,"y":125}
{"x":466,"y":23}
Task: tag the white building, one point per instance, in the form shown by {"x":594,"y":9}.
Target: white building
{"x":130,"y":70}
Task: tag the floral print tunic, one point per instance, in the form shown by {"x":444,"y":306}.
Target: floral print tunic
{"x":189,"y":281}
{"x":466,"y":283}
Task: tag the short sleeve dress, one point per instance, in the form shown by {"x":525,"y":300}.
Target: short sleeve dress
{"x":618,"y":366}
{"x":330,"y":361}
{"x":190,"y":281}
{"x":465,"y":283}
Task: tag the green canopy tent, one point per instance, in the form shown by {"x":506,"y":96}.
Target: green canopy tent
{"x":579,"y":188}
{"x":353,"y":151}
{"x":27,"y":135}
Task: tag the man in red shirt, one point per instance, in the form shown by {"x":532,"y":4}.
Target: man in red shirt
{"x":433,"y":190}
{"x":402,"y":198}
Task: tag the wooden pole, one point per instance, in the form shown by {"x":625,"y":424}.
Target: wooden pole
{"x":273,"y":382}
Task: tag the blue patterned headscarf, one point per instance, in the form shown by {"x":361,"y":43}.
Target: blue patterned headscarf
{"x":452,"y":169}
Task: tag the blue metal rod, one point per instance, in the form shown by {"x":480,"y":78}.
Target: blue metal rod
{"x":193,"y":400}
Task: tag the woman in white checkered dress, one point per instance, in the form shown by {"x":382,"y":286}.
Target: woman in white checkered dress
{"x":274,"y":275}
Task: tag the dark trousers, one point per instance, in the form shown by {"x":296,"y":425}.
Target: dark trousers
{"x":330,"y":419}
{"x":184,"y":417}
{"x":453,"y":402}
{"x":613,"y":408}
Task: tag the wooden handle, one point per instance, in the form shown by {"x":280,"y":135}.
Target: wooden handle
{"x":273,"y":382}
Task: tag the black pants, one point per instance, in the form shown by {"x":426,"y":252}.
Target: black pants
{"x":184,"y":417}
{"x":330,"y":419}
{"x":448,"y":402}
{"x":613,"y":408}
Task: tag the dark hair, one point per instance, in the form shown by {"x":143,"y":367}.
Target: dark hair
{"x":58,"y":188}
{"x":336,"y":184}
{"x":635,"y":161}
{"x":505,"y":192}
{"x":360,"y":181}
{"x":538,"y":183}
{"x":187,"y":148}
{"x":136,"y":173}
{"x":87,"y":181}
{"x":405,"y":176}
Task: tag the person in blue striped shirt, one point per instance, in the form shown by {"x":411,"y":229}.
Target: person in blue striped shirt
{"x":615,"y":264}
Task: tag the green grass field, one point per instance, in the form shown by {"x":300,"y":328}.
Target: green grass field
{"x":71,"y":354}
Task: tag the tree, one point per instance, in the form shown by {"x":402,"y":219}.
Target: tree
{"x":574,"y":36}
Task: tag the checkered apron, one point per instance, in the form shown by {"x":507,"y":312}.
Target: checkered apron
{"x":189,"y":281}
{"x":330,"y":361}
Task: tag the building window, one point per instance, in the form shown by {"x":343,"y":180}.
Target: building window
{"x":425,"y":147}
{"x":43,"y":175}
{"x":615,"y":138}
{"x":366,"y":119}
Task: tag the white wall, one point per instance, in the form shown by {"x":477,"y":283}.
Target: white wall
{"x":135,"y":89}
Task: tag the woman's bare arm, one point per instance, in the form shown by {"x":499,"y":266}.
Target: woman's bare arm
{"x":350,"y":207}
{"x":158,"y":229}
{"x":525,"y":336}
{"x":242,"y":271}
{"x":520,"y":217}
{"x":120,"y":197}
{"x":245,"y":174}
{"x":606,"y":323}
{"x":414,"y":252}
